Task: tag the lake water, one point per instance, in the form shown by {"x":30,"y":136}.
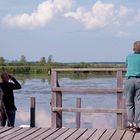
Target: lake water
{"x":40,"y":88}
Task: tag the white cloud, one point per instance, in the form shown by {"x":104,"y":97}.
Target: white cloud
{"x":40,"y":17}
{"x":124,"y":11}
{"x":137,"y":18}
{"x":101,"y":15}
{"x":123,"y":34}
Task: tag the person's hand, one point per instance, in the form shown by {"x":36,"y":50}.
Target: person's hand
{"x":10,"y":76}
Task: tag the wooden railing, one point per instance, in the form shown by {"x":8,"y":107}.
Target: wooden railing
{"x":57,"y":91}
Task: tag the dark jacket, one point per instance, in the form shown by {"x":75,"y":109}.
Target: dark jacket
{"x":8,"y":97}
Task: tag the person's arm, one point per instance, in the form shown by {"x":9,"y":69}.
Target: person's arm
{"x":16,"y":84}
{"x":126,"y":61}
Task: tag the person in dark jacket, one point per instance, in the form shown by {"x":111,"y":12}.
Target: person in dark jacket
{"x":9,"y":108}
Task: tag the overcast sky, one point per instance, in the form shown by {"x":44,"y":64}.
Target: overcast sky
{"x":69,"y":30}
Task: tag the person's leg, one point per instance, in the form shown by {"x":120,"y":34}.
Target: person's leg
{"x":137,"y":102}
{"x":129,"y":90}
{"x":4,"y":118}
{"x":11,"y":117}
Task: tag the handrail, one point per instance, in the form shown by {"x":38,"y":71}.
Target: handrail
{"x":88,"y":110}
{"x":87,"y":89}
{"x":87,"y":69}
{"x":58,"y":91}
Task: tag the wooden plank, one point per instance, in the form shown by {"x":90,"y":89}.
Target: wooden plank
{"x":88,"y":110}
{"x":128,"y":135}
{"x":46,"y":134}
{"x":56,"y":134}
{"x":119,"y":99}
{"x":25,"y":133}
{"x":8,"y":132}
{"x":77,"y":134}
{"x":4,"y":129}
{"x":37,"y":133}
{"x":78,"y":114}
{"x":56,"y":119}
{"x":87,"y":134}
{"x":97,"y":135}
{"x":58,"y":104}
{"x":32,"y":112}
{"x":137,"y":136}
{"x":86,"y":90}
{"x":13,"y":135}
{"x":66,"y":134}
{"x":118,"y":134}
{"x":108,"y":134}
{"x":88,"y":69}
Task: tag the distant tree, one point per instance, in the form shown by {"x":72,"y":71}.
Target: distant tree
{"x":2,"y":61}
{"x":42,"y":61}
{"x":50,"y":59}
{"x":23,"y":60}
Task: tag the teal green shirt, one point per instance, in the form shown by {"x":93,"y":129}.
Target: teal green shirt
{"x":133,"y":64}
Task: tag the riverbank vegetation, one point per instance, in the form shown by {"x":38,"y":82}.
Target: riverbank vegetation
{"x":43,"y":66}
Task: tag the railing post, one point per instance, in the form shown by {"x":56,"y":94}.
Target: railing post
{"x":78,"y":114}
{"x":119,"y":99}
{"x":59,"y":104}
{"x":56,"y":101}
{"x":32,"y":112}
{"x":124,"y":114}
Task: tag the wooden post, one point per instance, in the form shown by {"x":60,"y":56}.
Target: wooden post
{"x":56,"y":101}
{"x":119,"y":99}
{"x":124,"y":114}
{"x":78,"y":114}
{"x":59,"y":104}
{"x":32,"y":112}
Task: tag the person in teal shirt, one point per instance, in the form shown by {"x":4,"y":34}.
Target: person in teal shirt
{"x":132,"y":88}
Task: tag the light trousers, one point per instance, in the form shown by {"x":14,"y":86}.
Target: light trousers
{"x":132,"y":96}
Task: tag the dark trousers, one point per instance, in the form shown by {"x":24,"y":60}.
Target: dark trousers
{"x":9,"y":118}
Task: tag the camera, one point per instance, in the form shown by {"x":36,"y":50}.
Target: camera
{"x":9,"y":76}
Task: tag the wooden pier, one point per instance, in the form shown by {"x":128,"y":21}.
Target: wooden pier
{"x":57,"y":132}
{"x":8,"y":133}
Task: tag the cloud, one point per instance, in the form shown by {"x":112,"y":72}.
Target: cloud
{"x":40,"y":17}
{"x":124,"y":11}
{"x":137,"y":18}
{"x":100,"y":15}
{"x":43,"y":118}
{"x":123,"y":34}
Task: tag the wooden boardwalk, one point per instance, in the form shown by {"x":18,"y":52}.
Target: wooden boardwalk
{"x":8,"y":133}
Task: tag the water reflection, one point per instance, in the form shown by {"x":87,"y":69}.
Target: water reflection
{"x":39,"y":87}
{"x":43,"y":118}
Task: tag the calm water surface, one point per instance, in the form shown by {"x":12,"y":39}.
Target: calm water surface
{"x":39,"y":88}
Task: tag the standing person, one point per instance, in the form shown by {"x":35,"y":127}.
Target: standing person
{"x":132,"y":88}
{"x":9,"y":107}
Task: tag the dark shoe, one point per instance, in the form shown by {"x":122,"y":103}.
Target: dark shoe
{"x":130,"y":127}
{"x":135,"y":130}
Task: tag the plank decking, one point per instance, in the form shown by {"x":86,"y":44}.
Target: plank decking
{"x":8,"y":133}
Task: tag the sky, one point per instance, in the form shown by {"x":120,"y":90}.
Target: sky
{"x":69,"y":30}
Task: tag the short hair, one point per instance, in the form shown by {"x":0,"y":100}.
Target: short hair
{"x":3,"y":74}
{"x":136,"y":46}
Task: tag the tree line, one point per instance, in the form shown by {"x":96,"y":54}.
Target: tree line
{"x":44,"y":65}
{"x":23,"y":61}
